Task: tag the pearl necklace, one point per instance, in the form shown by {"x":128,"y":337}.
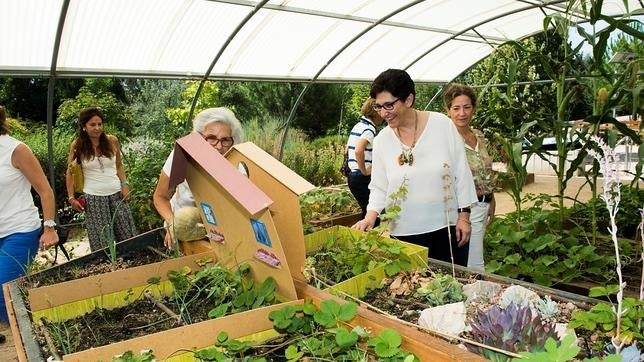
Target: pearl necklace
{"x":406,"y":155}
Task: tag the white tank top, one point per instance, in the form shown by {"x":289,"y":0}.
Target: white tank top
{"x":100,"y":176}
{"x":17,"y":210}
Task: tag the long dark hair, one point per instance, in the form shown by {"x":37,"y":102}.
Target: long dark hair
{"x":4,"y":128}
{"x":84,"y":148}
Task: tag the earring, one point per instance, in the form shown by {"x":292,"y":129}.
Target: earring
{"x":83,"y":129}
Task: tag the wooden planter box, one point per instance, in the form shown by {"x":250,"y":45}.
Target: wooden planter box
{"x":373,"y":278}
{"x":254,"y":324}
{"x":341,"y":220}
{"x":69,"y":299}
{"x":72,"y":298}
{"x":423,"y":345}
{"x":314,"y":241}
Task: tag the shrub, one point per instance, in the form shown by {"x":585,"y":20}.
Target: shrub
{"x":143,"y":158}
{"x":317,"y":161}
{"x":37,"y":141}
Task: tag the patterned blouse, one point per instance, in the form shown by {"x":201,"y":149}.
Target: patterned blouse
{"x":481,"y":165}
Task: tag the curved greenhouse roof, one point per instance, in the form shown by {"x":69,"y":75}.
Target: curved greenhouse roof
{"x":299,"y":40}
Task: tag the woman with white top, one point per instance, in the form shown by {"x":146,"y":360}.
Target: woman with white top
{"x":21,"y":233}
{"x":422,"y":152}
{"x":107,"y":214}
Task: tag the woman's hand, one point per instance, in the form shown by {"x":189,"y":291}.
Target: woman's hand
{"x":490,"y":211}
{"x":463,"y":230}
{"x":168,"y":240}
{"x":364,"y":225}
{"x":76,"y":205}
{"x":125,"y":191}
{"x":48,"y":238}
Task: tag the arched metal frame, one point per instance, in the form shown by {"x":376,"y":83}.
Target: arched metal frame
{"x":382,"y":20}
{"x":470,"y":34}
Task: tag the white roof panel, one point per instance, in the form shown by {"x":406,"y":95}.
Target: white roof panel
{"x":341,"y":40}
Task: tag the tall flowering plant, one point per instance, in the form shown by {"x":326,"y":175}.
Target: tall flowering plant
{"x":611,"y":195}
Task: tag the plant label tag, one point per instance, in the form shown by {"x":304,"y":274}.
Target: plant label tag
{"x":261,"y":234}
{"x":268,"y":258}
{"x":208,"y":213}
{"x":216,"y":236}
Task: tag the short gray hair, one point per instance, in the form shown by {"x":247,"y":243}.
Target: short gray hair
{"x":219,"y":114}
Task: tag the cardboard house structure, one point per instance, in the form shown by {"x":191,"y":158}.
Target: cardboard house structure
{"x":284,"y":187}
{"x":235,"y":212}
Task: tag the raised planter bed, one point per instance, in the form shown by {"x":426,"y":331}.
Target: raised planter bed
{"x":343,"y":237}
{"x":339,"y":220}
{"x":178,"y":344}
{"x":407,"y":309}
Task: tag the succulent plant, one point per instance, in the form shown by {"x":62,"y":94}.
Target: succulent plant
{"x":513,"y":329}
{"x":547,"y":307}
{"x":443,"y":289}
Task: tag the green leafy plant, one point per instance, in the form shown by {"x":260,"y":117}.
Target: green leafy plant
{"x":602,"y":317}
{"x":531,"y":246}
{"x":310,"y":333}
{"x":341,"y":259}
{"x":228,"y":290}
{"x":324,"y":202}
{"x":129,"y":356}
{"x":561,"y":351}
{"x":513,"y":329}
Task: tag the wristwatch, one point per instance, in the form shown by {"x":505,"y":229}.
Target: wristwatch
{"x":49,"y":223}
{"x":464,"y":209}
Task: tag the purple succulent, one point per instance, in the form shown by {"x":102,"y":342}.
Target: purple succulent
{"x":512,"y":329}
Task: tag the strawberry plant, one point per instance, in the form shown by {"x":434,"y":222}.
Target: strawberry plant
{"x":309,"y":333}
{"x":340,"y":259}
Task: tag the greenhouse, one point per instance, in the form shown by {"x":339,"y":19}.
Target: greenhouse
{"x":267,"y":250}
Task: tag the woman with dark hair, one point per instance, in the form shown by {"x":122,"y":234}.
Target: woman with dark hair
{"x":107,"y":214}
{"x":21,"y":234}
{"x":422,"y":152}
{"x":460,"y":104}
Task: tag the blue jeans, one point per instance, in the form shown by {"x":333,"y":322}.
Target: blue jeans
{"x":17,"y":251}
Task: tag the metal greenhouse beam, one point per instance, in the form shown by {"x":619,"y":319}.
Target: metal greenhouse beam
{"x":221,"y":51}
{"x":50,"y":94}
{"x":333,"y":57}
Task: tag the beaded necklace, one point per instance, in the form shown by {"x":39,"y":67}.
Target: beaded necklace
{"x":406,"y":155}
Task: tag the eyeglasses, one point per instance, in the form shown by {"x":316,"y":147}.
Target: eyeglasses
{"x":388,"y":106}
{"x":214,"y":140}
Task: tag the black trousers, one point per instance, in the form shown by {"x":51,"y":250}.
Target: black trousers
{"x":359,"y":187}
{"x":438,"y":244}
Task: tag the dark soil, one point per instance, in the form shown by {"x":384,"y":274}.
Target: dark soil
{"x":407,"y":308}
{"x":142,"y":317}
{"x":125,"y":260}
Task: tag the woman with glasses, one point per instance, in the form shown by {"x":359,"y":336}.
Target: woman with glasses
{"x":105,"y":188}
{"x":460,"y":104}
{"x":421,"y":152}
{"x":221,"y":129}
{"x":359,"y":148}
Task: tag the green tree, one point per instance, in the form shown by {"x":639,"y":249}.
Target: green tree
{"x":118,"y":119}
{"x":26,"y":98}
{"x":149,"y":100}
